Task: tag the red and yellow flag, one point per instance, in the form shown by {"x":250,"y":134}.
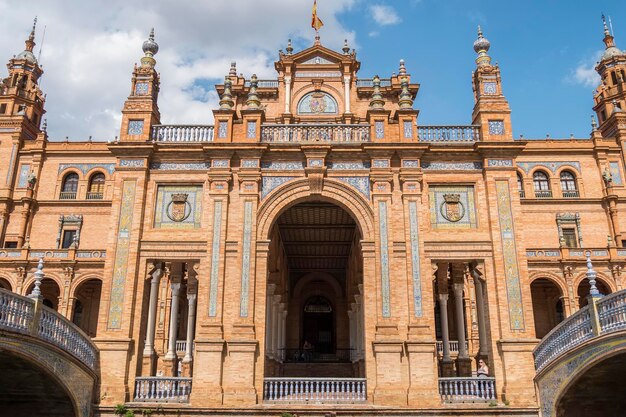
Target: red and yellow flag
{"x":316,"y":22}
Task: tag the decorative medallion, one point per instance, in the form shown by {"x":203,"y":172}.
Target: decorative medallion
{"x":452,"y":209}
{"x":178,"y":208}
{"x":317,"y":102}
{"x":496,"y":127}
{"x":141,"y":89}
{"x":489,"y":88}
{"x":135,"y":127}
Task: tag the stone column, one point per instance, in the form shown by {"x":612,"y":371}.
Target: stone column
{"x":482,"y":327}
{"x":446,"y":362}
{"x":463,"y":363}
{"x":171,"y":349}
{"x":191,"y":325}
{"x":287,"y":94}
{"x":346,"y":93}
{"x":351,"y":321}
{"x":283,"y":334}
{"x":274,"y":324}
{"x":359,"y":328}
{"x":148,"y":350}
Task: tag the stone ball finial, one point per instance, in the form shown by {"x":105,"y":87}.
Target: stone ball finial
{"x":150,"y":47}
{"x":481,"y":44}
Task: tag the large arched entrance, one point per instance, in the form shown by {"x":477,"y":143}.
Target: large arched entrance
{"x":599,"y":392}
{"x":314,"y":315}
{"x":548,"y":306}
{"x":87,"y":306}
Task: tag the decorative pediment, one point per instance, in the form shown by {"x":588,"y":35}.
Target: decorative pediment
{"x":316,"y":60}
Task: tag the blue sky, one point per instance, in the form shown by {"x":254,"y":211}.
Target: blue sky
{"x":546,"y":51}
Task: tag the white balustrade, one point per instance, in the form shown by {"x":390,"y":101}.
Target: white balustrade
{"x":454,"y":346}
{"x":315,"y":133}
{"x":469,"y":133}
{"x":566,"y":335}
{"x":162,"y":389}
{"x":59,"y":331}
{"x":612,"y":312}
{"x":16,"y":312}
{"x":467,"y":389}
{"x":181,"y":346}
{"x":315,"y":390}
{"x":368,"y":82}
{"x":183,"y":133}
{"x":264,"y":83}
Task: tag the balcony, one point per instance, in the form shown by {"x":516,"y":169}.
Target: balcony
{"x":67,"y":195}
{"x":298,"y":133}
{"x":183,"y":133}
{"x":447,"y":134}
{"x":369,"y":82}
{"x":543,"y":193}
{"x":571,"y":194}
{"x":264,"y":83}
{"x":454,"y":346}
{"x":315,"y":390}
{"x":522,"y":194}
{"x":472,"y":389}
{"x":162,"y":389}
{"x":95,"y":196}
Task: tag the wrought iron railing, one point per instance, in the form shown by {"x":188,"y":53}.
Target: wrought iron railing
{"x":315,"y":133}
{"x":67,"y":195}
{"x":321,"y":390}
{"x":467,"y":389}
{"x":162,"y":389}
{"x":571,"y":194}
{"x":470,"y":133}
{"x":95,"y":195}
{"x":183,"y":133}
{"x":17,"y":313}
{"x":543,"y":193}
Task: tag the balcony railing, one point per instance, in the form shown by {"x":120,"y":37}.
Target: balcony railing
{"x":95,"y":196}
{"x":369,"y":82}
{"x":454,"y":346}
{"x":17,"y":314}
{"x":264,"y":83}
{"x":315,"y":133}
{"x":162,"y":389}
{"x":67,"y":195}
{"x":315,"y":390}
{"x":472,"y":389}
{"x":469,"y":133}
{"x":571,"y":194}
{"x":183,"y":133}
{"x":522,"y":193}
{"x":543,"y":193}
{"x":181,"y":346}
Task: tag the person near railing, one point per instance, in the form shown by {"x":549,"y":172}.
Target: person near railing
{"x":307,"y":351}
{"x":483,"y":369}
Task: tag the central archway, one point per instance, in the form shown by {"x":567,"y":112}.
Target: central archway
{"x":314,"y":317}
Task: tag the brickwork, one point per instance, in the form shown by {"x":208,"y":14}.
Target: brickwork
{"x":431,"y":219}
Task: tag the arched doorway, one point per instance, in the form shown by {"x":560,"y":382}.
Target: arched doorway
{"x":87,"y":305}
{"x":5,"y":284}
{"x":584,"y":287}
{"x":50,"y":292}
{"x":314,"y":315}
{"x":548,"y":306}
{"x":26,"y":390}
{"x":598,"y":392}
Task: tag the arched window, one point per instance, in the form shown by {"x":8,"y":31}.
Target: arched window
{"x":568,"y":184}
{"x":542,"y":185}
{"x":96,"y":187}
{"x":520,"y":186}
{"x":69,"y":187}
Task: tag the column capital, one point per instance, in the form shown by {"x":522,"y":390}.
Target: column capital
{"x":443,"y":296}
{"x":175,"y":287}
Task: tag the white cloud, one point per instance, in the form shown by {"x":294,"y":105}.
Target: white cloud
{"x":585,"y":73}
{"x":90,"y":48}
{"x":384,"y":15}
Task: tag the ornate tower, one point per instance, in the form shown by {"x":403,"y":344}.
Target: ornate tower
{"x":491,"y":110}
{"x":21,"y":99}
{"x":141,"y":110}
{"x":610,"y":96}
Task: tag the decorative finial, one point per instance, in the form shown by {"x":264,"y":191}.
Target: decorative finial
{"x":317,"y":39}
{"x":233,"y":69}
{"x":44,"y":125}
{"x":289,"y":48}
{"x":39,"y":276}
{"x":406,"y":100}
{"x":346,"y":48}
{"x":31,"y":37}
{"x":616,"y":107}
{"x":150,"y":49}
{"x":402,"y":70}
{"x":226,"y":102}
{"x":594,"y":124}
{"x":591,"y":276}
{"x":481,"y":47}
{"x":606,"y":28}
{"x":377,"y":102}
{"x":253,"y":101}
{"x":611,"y":50}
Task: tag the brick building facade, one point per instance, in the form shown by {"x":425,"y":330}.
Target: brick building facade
{"x":317,"y":230}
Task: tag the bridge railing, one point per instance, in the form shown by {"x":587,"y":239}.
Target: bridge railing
{"x":23,"y":315}
{"x":603,"y":315}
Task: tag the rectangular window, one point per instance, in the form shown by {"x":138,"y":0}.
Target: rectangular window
{"x":3,"y":108}
{"x":68,"y":238}
{"x":10,"y":245}
{"x":570,"y":238}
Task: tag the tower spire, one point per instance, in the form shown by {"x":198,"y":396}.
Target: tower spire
{"x":481,"y":46}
